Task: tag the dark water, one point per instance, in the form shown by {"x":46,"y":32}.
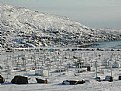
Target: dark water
{"x":109,"y":44}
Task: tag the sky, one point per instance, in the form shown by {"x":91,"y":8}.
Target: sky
{"x":92,"y":13}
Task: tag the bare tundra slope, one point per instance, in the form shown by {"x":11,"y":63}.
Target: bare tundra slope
{"x":21,"y":27}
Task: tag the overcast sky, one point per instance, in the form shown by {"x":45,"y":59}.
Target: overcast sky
{"x":92,"y":13}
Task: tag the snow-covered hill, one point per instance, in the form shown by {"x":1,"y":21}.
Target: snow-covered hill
{"x":21,"y":27}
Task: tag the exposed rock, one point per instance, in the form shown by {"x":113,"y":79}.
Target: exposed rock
{"x":21,"y":27}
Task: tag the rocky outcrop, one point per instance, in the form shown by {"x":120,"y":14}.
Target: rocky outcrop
{"x":21,"y":27}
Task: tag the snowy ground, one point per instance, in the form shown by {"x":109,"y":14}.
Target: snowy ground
{"x":56,"y":60}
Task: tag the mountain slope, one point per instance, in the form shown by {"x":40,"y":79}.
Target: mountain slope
{"x":21,"y":27}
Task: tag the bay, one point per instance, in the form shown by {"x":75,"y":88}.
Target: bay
{"x":108,"y":44}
